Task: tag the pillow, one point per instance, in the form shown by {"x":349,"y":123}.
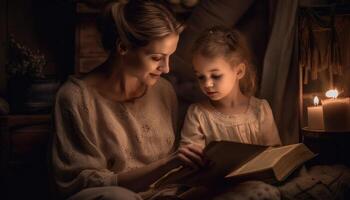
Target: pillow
{"x":319,"y":182}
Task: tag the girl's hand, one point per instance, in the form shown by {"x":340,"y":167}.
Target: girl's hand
{"x":189,"y":155}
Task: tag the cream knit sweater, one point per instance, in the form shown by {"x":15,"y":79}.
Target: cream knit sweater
{"x":96,"y":138}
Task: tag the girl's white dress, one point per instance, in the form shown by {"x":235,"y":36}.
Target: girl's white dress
{"x":204,"y":124}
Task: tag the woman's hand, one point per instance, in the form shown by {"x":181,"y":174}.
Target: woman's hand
{"x":189,"y":155}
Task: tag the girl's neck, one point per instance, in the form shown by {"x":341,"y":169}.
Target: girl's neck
{"x":234,"y":103}
{"x":113,"y":82}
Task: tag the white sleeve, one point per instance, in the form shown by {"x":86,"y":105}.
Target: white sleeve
{"x":268,"y":129}
{"x":192,"y":131}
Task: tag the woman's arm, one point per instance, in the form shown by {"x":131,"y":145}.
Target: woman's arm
{"x":139,"y":179}
{"x":78,"y":163}
{"x":190,"y":153}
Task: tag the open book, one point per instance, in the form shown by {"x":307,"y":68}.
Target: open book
{"x":234,"y":161}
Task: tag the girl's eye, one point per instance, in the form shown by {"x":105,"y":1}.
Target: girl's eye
{"x":156,"y":58}
{"x":216,"y":77}
{"x":200,"y":78}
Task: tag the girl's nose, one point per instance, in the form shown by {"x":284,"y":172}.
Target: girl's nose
{"x":208,"y":83}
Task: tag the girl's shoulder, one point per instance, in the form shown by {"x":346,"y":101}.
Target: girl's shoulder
{"x":200,"y":108}
{"x":258,"y":104}
{"x":260,"y":107}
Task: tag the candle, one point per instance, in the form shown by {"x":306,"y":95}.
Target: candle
{"x":336,"y":112}
{"x":315,"y":116}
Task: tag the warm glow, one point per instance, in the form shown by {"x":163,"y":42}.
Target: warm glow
{"x":316,"y":101}
{"x":332,"y":94}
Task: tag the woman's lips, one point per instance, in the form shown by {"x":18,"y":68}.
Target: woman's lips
{"x":155,"y":75}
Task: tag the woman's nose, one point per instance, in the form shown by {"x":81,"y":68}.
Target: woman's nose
{"x":164,"y":66}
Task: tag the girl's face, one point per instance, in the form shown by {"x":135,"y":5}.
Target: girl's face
{"x":217,"y":78}
{"x":149,"y":62}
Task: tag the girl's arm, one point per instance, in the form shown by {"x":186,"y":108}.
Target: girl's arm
{"x":268,"y":127}
{"x":192,"y":131}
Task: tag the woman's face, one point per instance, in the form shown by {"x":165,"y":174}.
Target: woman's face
{"x":149,"y":62}
{"x":217,"y":78}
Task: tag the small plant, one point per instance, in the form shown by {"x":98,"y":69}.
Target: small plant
{"x":23,"y":61}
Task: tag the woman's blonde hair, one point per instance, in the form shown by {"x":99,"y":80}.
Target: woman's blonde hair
{"x":135,"y":23}
{"x":229,"y":43}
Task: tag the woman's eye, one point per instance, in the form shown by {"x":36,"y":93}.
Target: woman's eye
{"x":216,"y":77}
{"x":156,"y":58}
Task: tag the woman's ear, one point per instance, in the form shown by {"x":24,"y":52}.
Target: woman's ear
{"x":122,"y":48}
{"x":240,"y":70}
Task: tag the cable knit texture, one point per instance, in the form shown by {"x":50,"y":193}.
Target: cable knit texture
{"x":96,"y":138}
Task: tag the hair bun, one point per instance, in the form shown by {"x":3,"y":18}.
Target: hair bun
{"x":135,"y":23}
{"x":232,"y":38}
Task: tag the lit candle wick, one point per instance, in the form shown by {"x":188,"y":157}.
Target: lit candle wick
{"x":316,"y":101}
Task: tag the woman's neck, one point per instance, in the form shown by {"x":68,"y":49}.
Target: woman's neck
{"x":113,"y":82}
{"x":234,"y":103}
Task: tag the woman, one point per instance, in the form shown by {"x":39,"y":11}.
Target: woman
{"x":115,"y":126}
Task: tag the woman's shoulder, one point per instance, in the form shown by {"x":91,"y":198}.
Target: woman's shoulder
{"x":71,"y":90}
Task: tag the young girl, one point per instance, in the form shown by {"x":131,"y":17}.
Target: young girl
{"x":223,"y":67}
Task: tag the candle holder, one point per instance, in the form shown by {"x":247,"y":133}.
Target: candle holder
{"x":331,"y":146}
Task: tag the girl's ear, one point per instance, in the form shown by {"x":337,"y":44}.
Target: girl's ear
{"x":241,"y":70}
{"x":121,"y":48}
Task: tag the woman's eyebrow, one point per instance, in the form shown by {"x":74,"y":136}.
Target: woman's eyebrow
{"x":163,"y":54}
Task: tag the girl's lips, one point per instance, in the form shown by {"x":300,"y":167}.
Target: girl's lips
{"x":211,"y":93}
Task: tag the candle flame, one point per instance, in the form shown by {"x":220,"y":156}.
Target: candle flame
{"x":332,"y":93}
{"x":316,"y":101}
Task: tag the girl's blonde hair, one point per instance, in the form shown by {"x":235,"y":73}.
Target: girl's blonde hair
{"x":229,"y":43}
{"x":135,"y":23}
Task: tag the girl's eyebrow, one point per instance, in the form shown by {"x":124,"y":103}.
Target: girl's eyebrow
{"x":212,"y":70}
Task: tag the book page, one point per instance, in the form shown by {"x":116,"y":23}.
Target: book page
{"x":263,"y":161}
{"x":289,"y":162}
{"x":228,"y":155}
{"x":225,"y":157}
